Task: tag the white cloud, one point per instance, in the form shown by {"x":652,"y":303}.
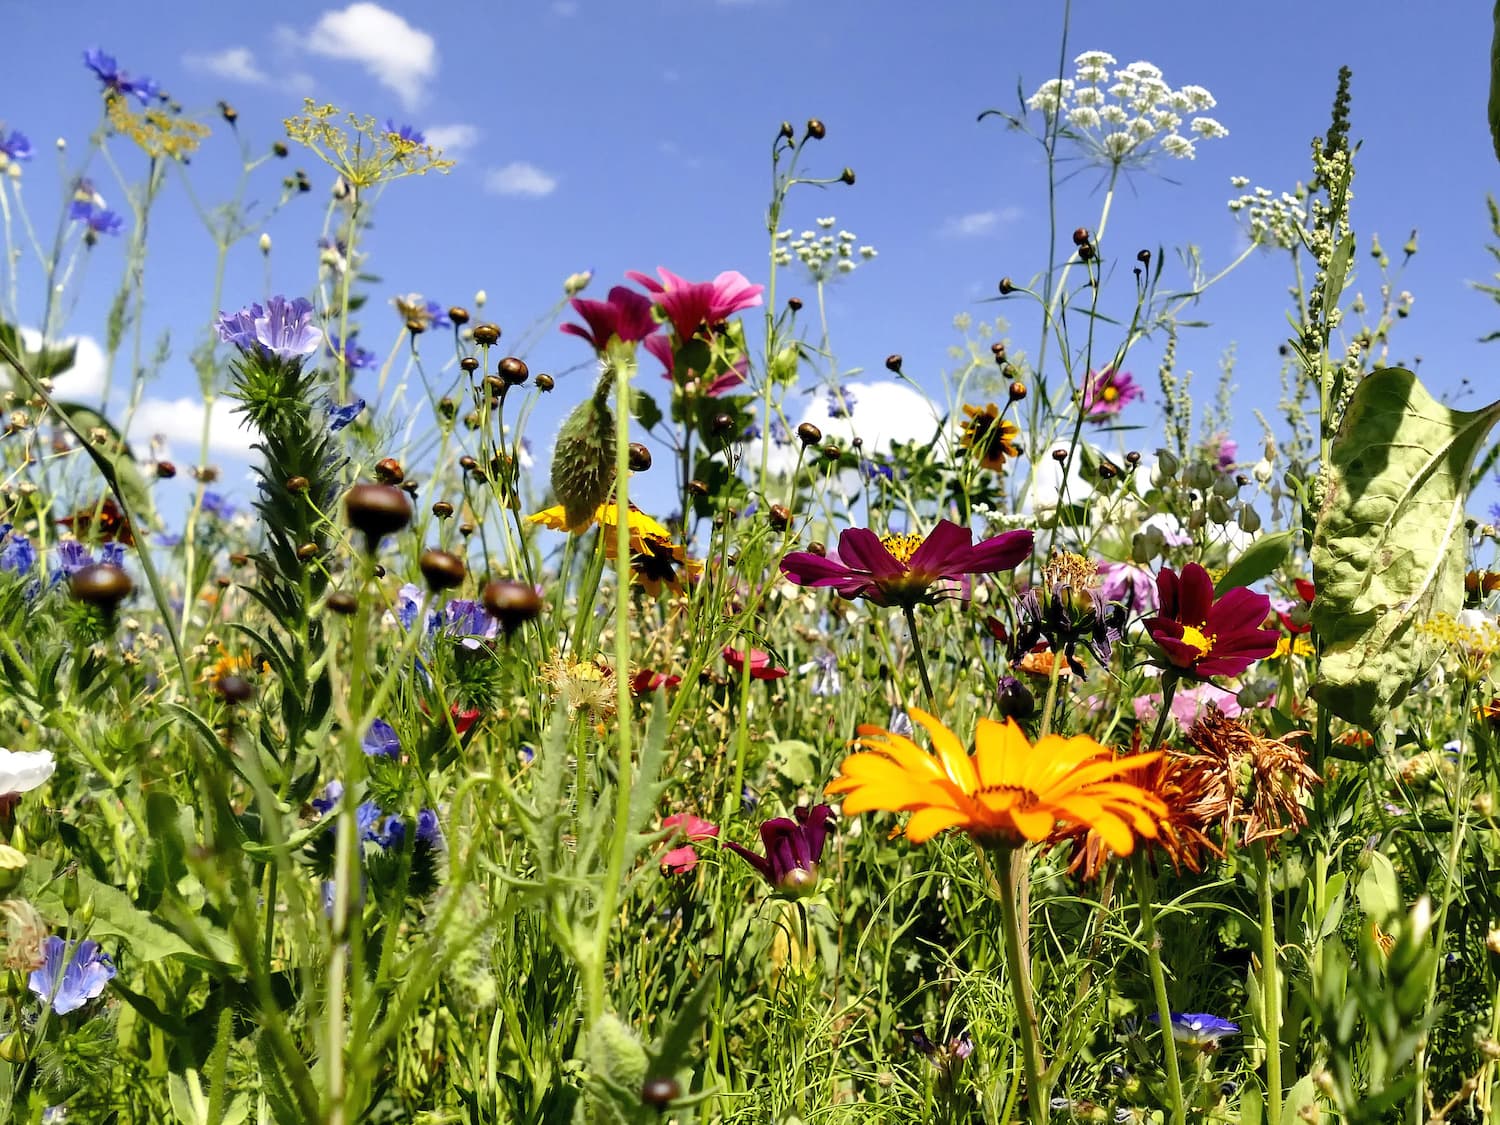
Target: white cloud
{"x":84,"y":381}
{"x":399,"y":56}
{"x":237,"y":64}
{"x":979,"y":224}
{"x":180,"y":421}
{"x":452,"y":140}
{"x":519,"y":178}
{"x":878,"y":413}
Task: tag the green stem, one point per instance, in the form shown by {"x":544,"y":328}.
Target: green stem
{"x":916,"y":647}
{"x":1145,"y":891}
{"x":1037,"y":1094}
{"x":1270,"y":982}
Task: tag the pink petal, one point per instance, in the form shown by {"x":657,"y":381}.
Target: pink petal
{"x":864,"y":551}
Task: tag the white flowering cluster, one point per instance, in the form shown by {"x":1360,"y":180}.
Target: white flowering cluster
{"x":825,"y":255}
{"x":1123,"y":116}
{"x":1279,"y":221}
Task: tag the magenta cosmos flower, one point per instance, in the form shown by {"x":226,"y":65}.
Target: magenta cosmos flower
{"x":625,"y":316}
{"x":761,"y":665}
{"x":1108,"y":391}
{"x":1202,"y":637}
{"x":661,"y":348}
{"x":901,"y":569}
{"x":690,"y":305}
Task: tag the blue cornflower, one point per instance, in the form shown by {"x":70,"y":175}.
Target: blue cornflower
{"x":469,"y":619}
{"x":874,"y":470}
{"x":409,"y":133}
{"x":72,"y":556}
{"x":1495,"y":513}
{"x":71,"y":985}
{"x":779,"y":433}
{"x":341,"y":416}
{"x":1196,"y":1029}
{"x":17,"y":555}
{"x":429,"y":832}
{"x":98,"y":220}
{"x":437,"y":316}
{"x":108,"y":72}
{"x":381,"y":740}
{"x":840,"y":402}
{"x":827,"y":681}
{"x":216,"y":505}
{"x":356,"y":358}
{"x":282,"y":328}
{"x":16,"y":146}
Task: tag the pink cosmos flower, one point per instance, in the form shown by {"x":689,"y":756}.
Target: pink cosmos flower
{"x":901,"y":569}
{"x":1107,"y":392}
{"x":1132,"y":585}
{"x":761,"y":667}
{"x":626,"y":316}
{"x":690,"y":305}
{"x":1188,"y":704}
{"x":661,"y":348}
{"x":681,"y":860}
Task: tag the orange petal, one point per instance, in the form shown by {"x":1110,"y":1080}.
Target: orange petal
{"x":950,"y":751}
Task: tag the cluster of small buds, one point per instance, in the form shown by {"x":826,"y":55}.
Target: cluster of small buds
{"x":823,"y":253}
{"x":1124,"y":115}
{"x":1272,"y":220}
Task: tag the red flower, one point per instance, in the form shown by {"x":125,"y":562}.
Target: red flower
{"x":104,"y":522}
{"x":1305,"y":591}
{"x":626,"y":316}
{"x":661,"y":348}
{"x":681,"y":860}
{"x":691,"y":305}
{"x":1203,"y":637}
{"x":901,"y":569}
{"x":793,"y":850}
{"x":648,"y":680}
{"x":761,"y":667}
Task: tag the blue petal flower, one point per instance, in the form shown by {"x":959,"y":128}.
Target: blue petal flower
{"x":341,"y":416}
{"x":82,"y":978}
{"x":1198,"y":1029}
{"x":282,"y":328}
{"x":381,"y":740}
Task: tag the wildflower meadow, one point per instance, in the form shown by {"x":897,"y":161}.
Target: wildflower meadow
{"x":657,"y":702}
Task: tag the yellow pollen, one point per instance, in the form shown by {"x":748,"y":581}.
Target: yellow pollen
{"x":1197,"y":639}
{"x":902,"y":547}
{"x":1110,"y":393}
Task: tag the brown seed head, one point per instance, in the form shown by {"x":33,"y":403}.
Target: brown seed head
{"x":816,"y":129}
{"x":101,"y":584}
{"x":809,"y":434}
{"x":640,"y":457}
{"x":780,"y":516}
{"x":486,"y":335}
{"x":341,"y":603}
{"x":458,"y":314}
{"x":389,"y":471}
{"x":511,"y":603}
{"x":545,"y":382}
{"x":443,"y":570}
{"x":514,"y":371}
{"x":893,"y":363}
{"x":377,"y":510}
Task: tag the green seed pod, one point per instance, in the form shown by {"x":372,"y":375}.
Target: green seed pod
{"x":583,"y":462}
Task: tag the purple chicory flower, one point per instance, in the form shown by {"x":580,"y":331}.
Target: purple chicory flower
{"x":1132,"y":586}
{"x":793,"y":850}
{"x":381,"y":741}
{"x":98,"y":220}
{"x":72,"y":984}
{"x":282,"y":328}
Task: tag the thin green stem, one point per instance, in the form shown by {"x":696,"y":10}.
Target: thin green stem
{"x":1270,"y":981}
{"x":1038,"y":1101}
{"x":1145,"y":892}
{"x":916,"y":647}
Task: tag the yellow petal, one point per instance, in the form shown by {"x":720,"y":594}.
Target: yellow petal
{"x":927,"y":822}
{"x":1034,"y":824}
{"x":1000,"y":752}
{"x":950,"y":751}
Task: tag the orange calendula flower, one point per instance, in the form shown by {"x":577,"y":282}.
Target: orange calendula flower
{"x":1008,"y":791}
{"x":990,"y":438}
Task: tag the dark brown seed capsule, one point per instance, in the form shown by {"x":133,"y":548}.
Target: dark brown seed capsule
{"x":832,"y":452}
{"x":511,"y":603}
{"x":893,"y":363}
{"x":1133,"y":458}
{"x":486,"y":334}
{"x":471,"y":419}
{"x":1017,"y":391}
{"x":389,"y":471}
{"x":816,"y":129}
{"x":410,"y":486}
{"x":1085,"y":253}
{"x":809,"y":434}
{"x":1108,"y":471}
{"x":280,"y":148}
{"x":377,"y":510}
{"x":697,"y":488}
{"x":442,"y":509}
{"x":443,"y":570}
{"x":102,"y":584}
{"x":416,"y":326}
{"x":297,"y":485}
{"x":467,"y":463}
{"x":819,"y":549}
{"x":514,"y":371}
{"x":458,"y":314}
{"x":466,"y":529}
{"x":997,"y":349}
{"x":545,"y":382}
{"x":640,"y":457}
{"x":494,"y":384}
{"x":780,"y":516}
{"x":1059,"y":455}
{"x":1081,"y":237}
{"x":723,"y":423}
{"x":308,"y":551}
{"x":858,"y":443}
{"x":794,"y":303}
{"x":469,"y":364}
{"x":234,"y":689}
{"x":447,"y":407}
{"x":786,"y":130}
{"x":1007,"y":287}
{"x":342,"y":603}
{"x":165,"y":470}
{"x":847,"y":175}
{"x":1144,"y":257}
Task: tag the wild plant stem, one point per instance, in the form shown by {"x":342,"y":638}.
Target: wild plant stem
{"x":916,"y":647}
{"x":1145,"y":890}
{"x":1270,"y":981}
{"x":1038,"y":1099}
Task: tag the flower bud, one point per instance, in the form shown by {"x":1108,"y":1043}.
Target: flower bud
{"x":511,"y":603}
{"x":12,"y":867}
{"x":786,"y":132}
{"x":545,"y":382}
{"x":377,"y":510}
{"x":486,"y":335}
{"x":1017,"y":391}
{"x":1141,"y":549}
{"x":1218,"y":510}
{"x":1198,"y":475}
{"x":1081,"y":237}
{"x":1167,"y":463}
{"x":265,"y":243}
{"x":101,"y":584}
{"x":1249,"y":519}
{"x":1007,"y":287}
{"x":816,"y":129}
{"x":659,"y":1093}
{"x":780,"y":516}
{"x":443,"y":570}
{"x":165,"y":470}
{"x":388,"y":471}
{"x":893,"y":364}
{"x":576,"y":283}
{"x":458,"y":314}
{"x":847,"y":175}
{"x":640,"y":457}
{"x":514,"y":371}
{"x":809,"y":434}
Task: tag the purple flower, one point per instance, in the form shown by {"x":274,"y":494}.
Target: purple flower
{"x":1198,"y":1029}
{"x":356,"y":358}
{"x":1107,"y":392}
{"x":98,"y":220}
{"x":341,"y":416}
{"x":283,"y":328}
{"x":793,"y":849}
{"x":468,"y":618}
{"x":72,"y":556}
{"x":116,"y":80}
{"x":1228,"y":450}
{"x":1133,"y":586}
{"x":841,"y":402}
{"x":437,"y":316}
{"x":16,"y":146}
{"x":429,"y":832}
{"x":17,"y":555}
{"x":626,"y":316}
{"x":71,"y":985}
{"x":216,"y":505}
{"x":408,"y":133}
{"x":381,"y":741}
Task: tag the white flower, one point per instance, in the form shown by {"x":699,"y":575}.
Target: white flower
{"x":1118,"y":144}
{"x":1208,"y":128}
{"x":827,"y":223}
{"x":1199,"y":97}
{"x":1084,"y":118}
{"x":1094,"y":58}
{"x":846,"y":266}
{"x":1178,"y":146}
{"x":1051,"y":96}
{"x":1113,"y":115}
{"x":867,"y":252}
{"x":21,"y":771}
{"x":1088,"y":96}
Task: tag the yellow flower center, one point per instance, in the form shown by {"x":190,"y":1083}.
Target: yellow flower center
{"x":902,"y":547}
{"x":1197,"y":639}
{"x":1110,"y":393}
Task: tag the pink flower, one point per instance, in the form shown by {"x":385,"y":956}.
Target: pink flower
{"x":681,"y":860}
{"x":626,"y":316}
{"x":761,"y":667}
{"x":690,"y":305}
{"x":661,"y":348}
{"x":1107,"y":392}
{"x":1132,"y":585}
{"x":1188,"y":703}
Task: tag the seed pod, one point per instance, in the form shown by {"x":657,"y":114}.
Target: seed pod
{"x":165,"y":470}
{"x":794,"y":303}
{"x":467,"y":463}
{"x":341,"y":603}
{"x":469,"y":364}
{"x":697,"y":488}
{"x":377,"y":510}
{"x":832,"y":452}
{"x":847,"y":175}
{"x":1086,"y":253}
{"x":723,"y":423}
{"x":640,"y":457}
{"x":1144,"y":257}
{"x":1133,"y":458}
{"x":786,"y":131}
{"x":308,"y":551}
{"x":297,"y":485}
{"x":389,"y":471}
{"x":583,"y":462}
{"x":816,"y":129}
{"x":780,"y":516}
{"x":495,"y":385}
{"x":819,"y":549}
{"x":1006,"y":287}
{"x":443,"y":570}
{"x":893,"y":363}
{"x":442,"y":509}
{"x":416,"y":326}
{"x":1081,"y":237}
{"x":466,"y":529}
{"x":809,"y":434}
{"x":545,"y":382}
{"x":101,"y":584}
{"x":511,"y":603}
{"x":1017,"y":391}
{"x":1059,"y":455}
{"x":458,"y":314}
{"x":514,"y":371}
{"x":410,"y":486}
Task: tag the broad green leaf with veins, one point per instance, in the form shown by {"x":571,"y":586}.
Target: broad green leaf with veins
{"x":1389,"y":548}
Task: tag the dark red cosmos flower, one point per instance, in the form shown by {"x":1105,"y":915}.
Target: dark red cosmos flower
{"x":1305,"y":591}
{"x":793,"y":850}
{"x":626,"y":315}
{"x":761,"y":667}
{"x":901,"y":569}
{"x":103,"y":522}
{"x":1203,"y":637}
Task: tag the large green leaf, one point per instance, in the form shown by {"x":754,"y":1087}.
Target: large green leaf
{"x":1389,"y":549}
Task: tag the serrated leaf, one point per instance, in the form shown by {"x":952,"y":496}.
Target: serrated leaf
{"x":1261,"y":558}
{"x":1388,"y":551}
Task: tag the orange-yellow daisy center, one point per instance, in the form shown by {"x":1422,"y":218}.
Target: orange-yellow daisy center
{"x":1110,"y":393}
{"x":1195,"y":637}
{"x":902,"y":547}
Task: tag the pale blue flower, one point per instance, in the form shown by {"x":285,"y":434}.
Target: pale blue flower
{"x":72,"y":984}
{"x":282,"y":328}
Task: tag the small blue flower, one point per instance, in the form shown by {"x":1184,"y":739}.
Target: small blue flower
{"x":17,"y":555}
{"x":1495,"y":513}
{"x":98,"y":220}
{"x":409,"y":133}
{"x":72,"y":556}
{"x":116,"y":80}
{"x":429,"y":832}
{"x":381,"y":740}
{"x":16,"y":146}
{"x":72,"y":985}
{"x":216,"y":505}
{"x":467,"y":618}
{"x":873,"y":470}
{"x":1197,"y":1029}
{"x":900,"y":723}
{"x":356,"y":358}
{"x":841,"y":402}
{"x":341,"y":416}
{"x":827,"y":681}
{"x":437,"y":316}
{"x":779,"y":433}
{"x":282,"y":328}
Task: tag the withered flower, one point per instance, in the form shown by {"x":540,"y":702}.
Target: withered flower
{"x":1255,"y":784}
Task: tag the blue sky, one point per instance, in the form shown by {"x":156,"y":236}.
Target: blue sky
{"x":626,"y":135}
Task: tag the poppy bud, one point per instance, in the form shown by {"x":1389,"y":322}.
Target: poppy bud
{"x":640,"y":457}
{"x":809,"y":434}
{"x":583,"y":461}
{"x":458,"y":314}
{"x":377,"y":510}
{"x":165,"y":470}
{"x":342,"y":603}
{"x":511,"y":603}
{"x":893,"y":364}
{"x":816,"y":129}
{"x":544,"y":383}
{"x":514,"y":371}
{"x":486,"y":334}
{"x":469,"y":364}
{"x":388,"y":471}
{"x":442,"y":509}
{"x":780,"y":516}
{"x":443,"y":570}
{"x":102,"y":584}
{"x":794,"y":303}
{"x":1081,"y":237}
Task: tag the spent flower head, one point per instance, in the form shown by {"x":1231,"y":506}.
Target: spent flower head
{"x":361,"y":151}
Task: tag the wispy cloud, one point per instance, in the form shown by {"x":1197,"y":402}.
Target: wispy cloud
{"x":399,"y":56}
{"x":980,"y":224}
{"x":520,"y":178}
{"x":452,"y":140}
{"x":181,"y":420}
{"x":236,"y":64}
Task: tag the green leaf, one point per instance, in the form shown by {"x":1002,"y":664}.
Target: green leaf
{"x":1298,"y":1098}
{"x":792,"y":760}
{"x":1262,"y":557}
{"x":644,"y":407}
{"x":1378,"y":890}
{"x":1388,"y":550}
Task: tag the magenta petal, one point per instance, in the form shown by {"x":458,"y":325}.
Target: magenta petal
{"x":808,"y":569}
{"x":1240,"y":609}
{"x":862,"y":549}
{"x":1002,"y":552}
{"x":650,"y":284}
{"x":1196,"y":595}
{"x":945,"y":551}
{"x":661,"y":348}
{"x":1166,"y":592}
